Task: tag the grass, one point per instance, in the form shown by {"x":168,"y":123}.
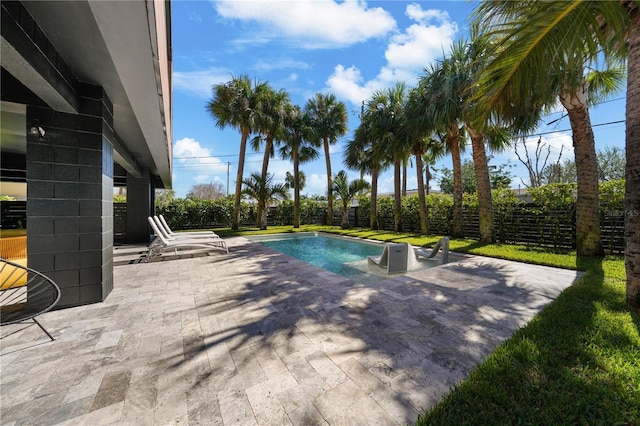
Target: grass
{"x":576,"y":362}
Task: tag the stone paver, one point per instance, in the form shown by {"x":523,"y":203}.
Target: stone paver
{"x":256,"y":337}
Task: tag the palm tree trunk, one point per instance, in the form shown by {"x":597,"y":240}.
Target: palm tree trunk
{"x":373,"y":207}
{"x":427,"y":178}
{"x":329,"y":183}
{"x":485,"y":204}
{"x":296,"y":190}
{"x":422,"y":199}
{"x":235,"y":218}
{"x":588,"y":241}
{"x":404,"y":178}
{"x":345,"y":216}
{"x":632,"y":168}
{"x":263,"y":218}
{"x":265,"y":168}
{"x":454,"y":147}
{"x":397,"y":204}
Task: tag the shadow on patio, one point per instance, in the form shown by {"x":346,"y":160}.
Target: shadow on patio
{"x":259,"y":337}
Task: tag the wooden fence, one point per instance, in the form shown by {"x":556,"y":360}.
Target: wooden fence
{"x":523,"y":224}
{"x":527,"y":224}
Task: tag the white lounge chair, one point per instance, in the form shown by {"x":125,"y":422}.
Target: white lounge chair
{"x":394,"y":258}
{"x":170,"y":235}
{"x":165,"y":226}
{"x":443,"y":243}
{"x":162,"y":243}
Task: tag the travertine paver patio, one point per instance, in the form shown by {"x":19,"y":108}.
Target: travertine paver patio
{"x":256,"y":337}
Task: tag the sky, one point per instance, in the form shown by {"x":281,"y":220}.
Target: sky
{"x":349,"y":48}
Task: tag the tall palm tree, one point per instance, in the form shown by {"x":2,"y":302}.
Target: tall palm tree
{"x":386,"y":109}
{"x":264,"y":191}
{"x":328,"y":118}
{"x":290,"y":180}
{"x":345,"y":191}
{"x":440,"y":105}
{"x":419,"y":131}
{"x":566,"y":81}
{"x":237,"y":103}
{"x":545,"y":37}
{"x":435,"y":150}
{"x":365,"y":154}
{"x":298,"y":147}
{"x":399,"y":149}
{"x":270,"y":127}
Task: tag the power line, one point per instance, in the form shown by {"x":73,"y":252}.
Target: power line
{"x":212,"y":156}
{"x":196,"y":165}
{"x":192,"y":165}
{"x":568,"y":130}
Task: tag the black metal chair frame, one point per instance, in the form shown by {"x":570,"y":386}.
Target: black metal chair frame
{"x":24,"y":294}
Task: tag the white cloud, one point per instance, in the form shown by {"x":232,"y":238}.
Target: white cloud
{"x":316,"y":184}
{"x":346,"y":83}
{"x":189,"y":147}
{"x":278,"y":64}
{"x":385,"y":184}
{"x":189,"y":154}
{"x":407,"y":54}
{"x":415,"y":12}
{"x":420,"y":44}
{"x":201,"y":179}
{"x":195,"y":164}
{"x":310,"y":23}
{"x":199,"y":82}
{"x":279,"y":169}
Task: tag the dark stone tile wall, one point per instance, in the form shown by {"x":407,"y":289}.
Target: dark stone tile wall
{"x":70,"y":198}
{"x":139,"y":207}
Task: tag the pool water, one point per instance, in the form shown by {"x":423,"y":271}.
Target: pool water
{"x":339,"y":255}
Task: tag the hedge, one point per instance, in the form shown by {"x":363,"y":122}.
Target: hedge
{"x":548,"y":221}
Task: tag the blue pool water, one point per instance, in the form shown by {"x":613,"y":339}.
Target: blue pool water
{"x":338,"y":255}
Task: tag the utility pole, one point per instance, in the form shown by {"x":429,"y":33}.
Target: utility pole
{"x":228,"y":164}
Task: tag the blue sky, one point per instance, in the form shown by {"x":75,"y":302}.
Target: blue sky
{"x":349,"y":48}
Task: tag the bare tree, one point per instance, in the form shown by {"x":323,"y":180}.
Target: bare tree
{"x":538,"y":163}
{"x":207,"y":191}
{"x":611,"y":163}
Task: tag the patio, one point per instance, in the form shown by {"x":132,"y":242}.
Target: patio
{"x":256,"y":337}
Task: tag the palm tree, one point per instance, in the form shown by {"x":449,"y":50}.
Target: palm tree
{"x":434,"y":151}
{"x":386,"y":117}
{"x":237,"y":103}
{"x":418,"y":131}
{"x":264,"y":191}
{"x":453,"y":82}
{"x":345,"y":191}
{"x":367,"y":151}
{"x":440,"y":106}
{"x":271,"y":124}
{"x":298,"y":148}
{"x":290,"y":180}
{"x":567,"y":81}
{"x":556,"y":39}
{"x":328,"y":118}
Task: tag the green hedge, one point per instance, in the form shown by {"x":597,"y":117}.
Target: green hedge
{"x":183,"y":213}
{"x":548,"y":221}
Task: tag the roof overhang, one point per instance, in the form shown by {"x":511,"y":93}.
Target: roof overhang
{"x":124,"y":47}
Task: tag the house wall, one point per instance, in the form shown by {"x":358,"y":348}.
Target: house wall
{"x":65,"y":75}
{"x":70,"y":198}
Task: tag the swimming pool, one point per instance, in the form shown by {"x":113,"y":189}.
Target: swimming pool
{"x":342,"y":256}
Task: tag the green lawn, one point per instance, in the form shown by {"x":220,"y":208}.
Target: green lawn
{"x":576,"y":362}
